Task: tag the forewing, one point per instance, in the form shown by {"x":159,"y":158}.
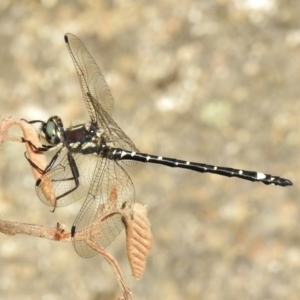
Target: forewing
{"x":99,"y":219}
{"x":63,"y":183}
{"x":91,"y":80}
{"x":96,"y":93}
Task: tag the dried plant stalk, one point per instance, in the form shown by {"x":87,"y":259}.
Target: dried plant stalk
{"x":58,"y":234}
{"x":127,"y":295}
{"x":139,"y":239}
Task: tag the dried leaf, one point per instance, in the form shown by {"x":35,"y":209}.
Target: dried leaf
{"x":36,"y":157}
{"x":139,"y":239}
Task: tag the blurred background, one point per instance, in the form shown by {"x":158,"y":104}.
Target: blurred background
{"x":208,"y":81}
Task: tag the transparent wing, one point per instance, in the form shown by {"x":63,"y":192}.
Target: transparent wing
{"x":99,"y":219}
{"x":96,"y":93}
{"x":90,"y":78}
{"x":66,"y":185}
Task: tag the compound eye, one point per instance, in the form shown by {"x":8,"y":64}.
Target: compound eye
{"x":52,"y":133}
{"x":50,"y":129}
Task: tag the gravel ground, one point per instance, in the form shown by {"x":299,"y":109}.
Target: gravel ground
{"x":208,"y":81}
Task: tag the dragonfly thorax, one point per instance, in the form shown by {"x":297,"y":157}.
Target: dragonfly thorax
{"x":52,"y":131}
{"x":84,"y":138}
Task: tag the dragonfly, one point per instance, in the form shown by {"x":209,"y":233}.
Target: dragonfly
{"x":90,"y":157}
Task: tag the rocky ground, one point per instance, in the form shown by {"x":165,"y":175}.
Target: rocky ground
{"x":208,"y":81}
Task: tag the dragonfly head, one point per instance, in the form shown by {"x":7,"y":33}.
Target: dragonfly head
{"x":52,"y":131}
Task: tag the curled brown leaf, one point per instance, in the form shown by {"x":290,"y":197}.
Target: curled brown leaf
{"x":37,"y":158}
